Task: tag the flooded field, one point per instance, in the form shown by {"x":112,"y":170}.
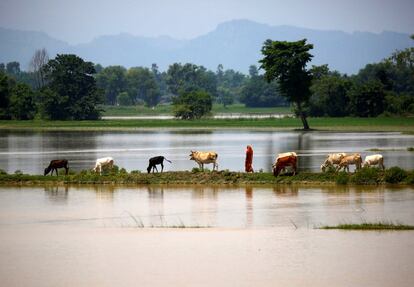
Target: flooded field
{"x":31,"y":152}
{"x":206,"y":236}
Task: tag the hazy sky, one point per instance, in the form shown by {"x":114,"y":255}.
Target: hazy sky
{"x":78,"y":21}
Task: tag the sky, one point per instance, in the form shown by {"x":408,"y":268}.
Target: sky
{"x":79,"y":21}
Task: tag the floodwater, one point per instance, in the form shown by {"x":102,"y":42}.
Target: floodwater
{"x":31,"y":152}
{"x":228,"y":236}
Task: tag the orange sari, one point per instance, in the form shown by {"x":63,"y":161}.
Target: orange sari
{"x":249,"y":159}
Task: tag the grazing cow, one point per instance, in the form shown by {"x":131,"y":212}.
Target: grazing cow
{"x":348,"y":160}
{"x":55,"y":164}
{"x":332,"y":160}
{"x":154,"y":161}
{"x":375,"y":159}
{"x":284,"y":160}
{"x":103,"y":162}
{"x":202,"y":157}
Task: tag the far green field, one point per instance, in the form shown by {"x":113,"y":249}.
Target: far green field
{"x":166,"y":109}
{"x":332,"y":124}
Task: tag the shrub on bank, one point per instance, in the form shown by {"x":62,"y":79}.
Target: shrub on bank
{"x":367,"y":175}
{"x":395,"y":174}
{"x":342,"y":178}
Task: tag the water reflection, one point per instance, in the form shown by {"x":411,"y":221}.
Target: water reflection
{"x":214,"y":206}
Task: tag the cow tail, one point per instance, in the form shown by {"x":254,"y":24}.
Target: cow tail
{"x":168,"y":160}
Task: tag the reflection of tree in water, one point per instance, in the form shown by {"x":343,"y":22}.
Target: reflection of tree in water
{"x":57,"y":193}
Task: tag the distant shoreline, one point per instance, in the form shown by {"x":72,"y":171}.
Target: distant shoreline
{"x":347,"y":124}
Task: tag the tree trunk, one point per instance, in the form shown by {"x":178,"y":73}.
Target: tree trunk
{"x":302,"y":117}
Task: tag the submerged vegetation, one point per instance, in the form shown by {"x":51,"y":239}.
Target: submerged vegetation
{"x":366,"y":176}
{"x":370,"y":226}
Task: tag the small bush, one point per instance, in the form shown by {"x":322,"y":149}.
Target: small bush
{"x":410,"y":148}
{"x":342,"y":178}
{"x":135,"y":171}
{"x":395,"y":175}
{"x":123,"y":171}
{"x":366,"y":175}
{"x":195,"y":170}
{"x":410,"y":178}
{"x":2,"y":171}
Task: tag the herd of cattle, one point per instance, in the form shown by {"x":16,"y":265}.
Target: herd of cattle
{"x":283,"y":162}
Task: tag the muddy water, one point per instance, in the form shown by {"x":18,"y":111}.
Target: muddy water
{"x":256,"y":236}
{"x":31,"y":152}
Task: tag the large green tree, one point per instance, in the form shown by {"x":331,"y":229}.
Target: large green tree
{"x":190,"y":77}
{"x":72,"y":89}
{"x":142,"y":84}
{"x":286,"y":62}
{"x":329,"y":93}
{"x":22,"y":102}
{"x":112,"y":80}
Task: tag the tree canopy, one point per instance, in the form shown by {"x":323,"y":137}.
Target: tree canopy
{"x":286,"y":63}
{"x":71,"y":89}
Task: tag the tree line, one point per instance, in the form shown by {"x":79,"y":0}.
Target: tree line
{"x":68,"y":87}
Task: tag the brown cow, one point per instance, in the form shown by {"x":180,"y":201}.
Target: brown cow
{"x":355,"y":159}
{"x":55,"y":164}
{"x":283,"y":161}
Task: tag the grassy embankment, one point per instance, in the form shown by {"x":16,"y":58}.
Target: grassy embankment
{"x":367,"y":176}
{"x":331,"y":124}
{"x":167,"y":109}
{"x":370,"y":226}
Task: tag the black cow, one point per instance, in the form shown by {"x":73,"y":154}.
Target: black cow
{"x":154,"y":161}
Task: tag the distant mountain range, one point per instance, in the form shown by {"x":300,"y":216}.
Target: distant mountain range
{"x":234,"y":44}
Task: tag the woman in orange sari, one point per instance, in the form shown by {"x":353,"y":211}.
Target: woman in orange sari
{"x":249,"y":159}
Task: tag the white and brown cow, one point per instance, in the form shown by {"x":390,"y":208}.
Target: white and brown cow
{"x":103,"y":162}
{"x":346,"y":161}
{"x":204,"y":157}
{"x":375,"y":159}
{"x":332,"y":160}
{"x":284,"y":160}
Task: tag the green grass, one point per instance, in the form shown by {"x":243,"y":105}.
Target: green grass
{"x":370,"y":226}
{"x":120,"y":176}
{"x":330,"y":124}
{"x":167,"y":109}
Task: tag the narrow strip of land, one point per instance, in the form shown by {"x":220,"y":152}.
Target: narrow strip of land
{"x":202,"y":178}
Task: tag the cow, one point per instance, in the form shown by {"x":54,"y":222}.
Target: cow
{"x":55,"y":164}
{"x":348,"y":160}
{"x":375,"y":159}
{"x":103,"y":162}
{"x":154,"y":161}
{"x":203,"y":157}
{"x":284,"y":160}
{"x":332,"y":160}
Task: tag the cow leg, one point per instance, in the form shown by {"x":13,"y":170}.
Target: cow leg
{"x":66,"y":170}
{"x":155,"y":167}
{"x":57,"y":174}
{"x":162,"y":167}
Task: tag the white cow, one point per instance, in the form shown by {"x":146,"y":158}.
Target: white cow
{"x":332,"y":159}
{"x":375,"y":159}
{"x":102,"y":162}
